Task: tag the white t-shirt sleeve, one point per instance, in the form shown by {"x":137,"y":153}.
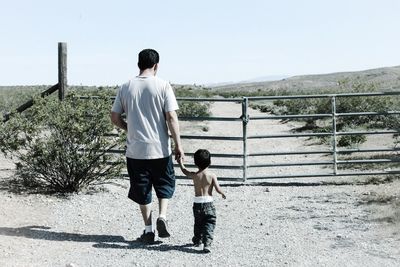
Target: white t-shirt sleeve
{"x":117,"y":106}
{"x":170,"y":103}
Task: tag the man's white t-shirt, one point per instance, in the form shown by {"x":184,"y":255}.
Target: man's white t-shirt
{"x":145,"y":100}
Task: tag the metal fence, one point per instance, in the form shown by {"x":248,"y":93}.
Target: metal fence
{"x":332,"y":151}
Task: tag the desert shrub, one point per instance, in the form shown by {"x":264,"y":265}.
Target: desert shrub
{"x":350,"y":140}
{"x":250,"y":93}
{"x":365,"y":104}
{"x":261,"y":107}
{"x":303,"y":106}
{"x":193,"y":109}
{"x":187,"y":91}
{"x":61,"y":146}
{"x":344,"y":105}
{"x":324,"y":139}
{"x":13,"y":96}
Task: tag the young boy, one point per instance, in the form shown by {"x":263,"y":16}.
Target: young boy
{"x":203,"y":207}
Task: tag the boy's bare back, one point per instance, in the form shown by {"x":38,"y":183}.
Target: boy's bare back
{"x":203,"y":183}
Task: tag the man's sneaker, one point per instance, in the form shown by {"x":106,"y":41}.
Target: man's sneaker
{"x":196,"y":242}
{"x":162,"y":228}
{"x":207,"y":248}
{"x":147,"y":238}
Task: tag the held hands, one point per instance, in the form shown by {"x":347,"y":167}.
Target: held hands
{"x":180,"y":162}
{"x":179,"y":154}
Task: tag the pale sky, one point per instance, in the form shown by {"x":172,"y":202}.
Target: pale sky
{"x":200,"y":42}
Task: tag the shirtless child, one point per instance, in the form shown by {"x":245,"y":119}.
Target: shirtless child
{"x":203,"y":206}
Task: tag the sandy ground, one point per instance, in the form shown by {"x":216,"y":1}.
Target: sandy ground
{"x":303,"y":222}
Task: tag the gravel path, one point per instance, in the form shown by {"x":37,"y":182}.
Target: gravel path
{"x":271,"y":223}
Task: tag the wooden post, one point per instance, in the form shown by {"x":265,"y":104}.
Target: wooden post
{"x":62,"y":70}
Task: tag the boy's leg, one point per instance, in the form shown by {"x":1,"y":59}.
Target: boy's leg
{"x":198,"y":226}
{"x":210,"y":219}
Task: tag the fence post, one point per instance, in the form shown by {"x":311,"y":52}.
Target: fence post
{"x":62,"y":70}
{"x":334,"y":139}
{"x":245,"y":120}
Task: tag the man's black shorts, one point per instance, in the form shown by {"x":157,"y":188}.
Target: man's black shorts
{"x":145,"y":173}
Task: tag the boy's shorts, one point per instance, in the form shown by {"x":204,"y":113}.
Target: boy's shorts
{"x":147,"y":173}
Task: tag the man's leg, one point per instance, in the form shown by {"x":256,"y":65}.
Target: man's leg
{"x":164,"y":185}
{"x":146,"y":214}
{"x":148,"y":234}
{"x":162,"y":226}
{"x":163,"y":206}
{"x":140,"y":192}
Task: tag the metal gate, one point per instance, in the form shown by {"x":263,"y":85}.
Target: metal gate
{"x":330,"y":153}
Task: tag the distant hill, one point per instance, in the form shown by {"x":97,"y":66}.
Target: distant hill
{"x":254,"y":80}
{"x":384,"y":78}
{"x":387,"y":78}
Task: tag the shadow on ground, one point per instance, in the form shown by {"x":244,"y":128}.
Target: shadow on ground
{"x":101,"y":241}
{"x":17,"y":186}
{"x":303,"y":184}
{"x":14,"y":184}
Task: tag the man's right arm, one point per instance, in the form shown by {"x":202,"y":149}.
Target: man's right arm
{"x":116,"y":112}
{"x":118,"y":121}
{"x":173,"y":125}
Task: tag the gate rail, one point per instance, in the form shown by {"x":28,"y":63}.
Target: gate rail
{"x":333,"y":151}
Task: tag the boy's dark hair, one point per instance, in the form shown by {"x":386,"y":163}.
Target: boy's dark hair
{"x":202,"y":158}
{"x":147,"y":58}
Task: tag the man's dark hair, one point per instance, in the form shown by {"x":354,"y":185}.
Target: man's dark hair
{"x":147,"y":58}
{"x":202,"y":158}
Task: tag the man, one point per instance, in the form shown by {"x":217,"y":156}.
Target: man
{"x":149,"y":104}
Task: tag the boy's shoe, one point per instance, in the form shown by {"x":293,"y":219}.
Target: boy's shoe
{"x":162,"y":228}
{"x":207,"y":248}
{"x":196,"y":242}
{"x":147,"y":238}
